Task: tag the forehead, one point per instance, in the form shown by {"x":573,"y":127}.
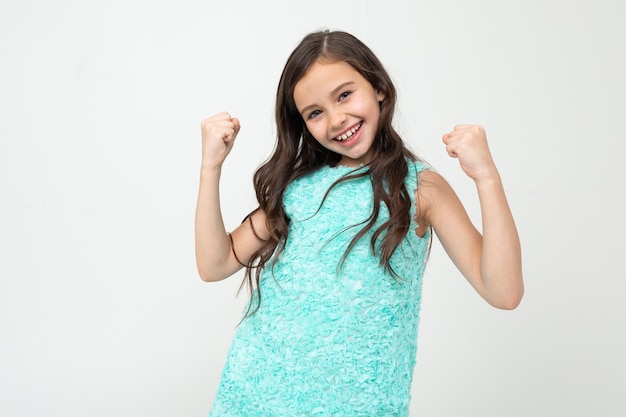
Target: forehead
{"x":322,"y":78}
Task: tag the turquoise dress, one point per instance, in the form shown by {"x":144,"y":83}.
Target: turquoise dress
{"x":329,"y":341}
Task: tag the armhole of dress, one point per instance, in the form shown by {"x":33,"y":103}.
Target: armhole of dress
{"x":417,"y":167}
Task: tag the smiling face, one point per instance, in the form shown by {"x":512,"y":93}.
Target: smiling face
{"x":340,"y":109}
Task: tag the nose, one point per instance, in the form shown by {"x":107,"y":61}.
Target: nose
{"x":337,"y":119}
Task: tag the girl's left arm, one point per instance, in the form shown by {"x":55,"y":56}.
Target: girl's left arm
{"x":491,"y":262}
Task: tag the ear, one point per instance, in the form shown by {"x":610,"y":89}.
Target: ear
{"x":380,"y":96}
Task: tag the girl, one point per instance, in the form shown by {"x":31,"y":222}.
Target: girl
{"x":335,"y":252}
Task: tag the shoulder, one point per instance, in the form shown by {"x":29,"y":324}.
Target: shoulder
{"x":415,"y":166}
{"x":254,"y":227}
{"x":430,"y":180}
{"x":414,"y":169}
{"x":435,"y":196}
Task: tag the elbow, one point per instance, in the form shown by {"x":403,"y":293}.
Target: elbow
{"x":509,"y":304}
{"x":509,"y":301}
{"x":206,"y":277}
{"x":210,"y":275}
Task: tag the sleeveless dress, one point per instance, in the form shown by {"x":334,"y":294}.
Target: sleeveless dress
{"x":329,"y":340}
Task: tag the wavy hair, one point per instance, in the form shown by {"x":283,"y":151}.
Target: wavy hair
{"x":297,"y":153}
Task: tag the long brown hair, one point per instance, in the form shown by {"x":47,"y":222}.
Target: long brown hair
{"x":297,"y":153}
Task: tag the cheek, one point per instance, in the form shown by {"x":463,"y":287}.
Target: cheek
{"x":367,"y":108}
{"x":375,"y":110}
{"x":316,"y":130}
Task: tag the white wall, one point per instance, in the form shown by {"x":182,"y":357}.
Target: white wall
{"x":101,"y":309}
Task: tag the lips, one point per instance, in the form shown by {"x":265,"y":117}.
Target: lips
{"x":349,"y":133}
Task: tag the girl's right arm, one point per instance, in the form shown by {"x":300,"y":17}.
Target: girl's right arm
{"x":216,"y":258}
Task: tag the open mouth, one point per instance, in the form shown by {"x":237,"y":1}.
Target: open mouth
{"x":349,"y":133}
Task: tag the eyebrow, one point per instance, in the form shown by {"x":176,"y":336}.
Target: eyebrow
{"x":332,"y":93}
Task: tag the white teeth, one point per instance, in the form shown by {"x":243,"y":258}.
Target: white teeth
{"x":349,"y":133}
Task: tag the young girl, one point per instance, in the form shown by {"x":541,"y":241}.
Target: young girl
{"x":335,"y":252}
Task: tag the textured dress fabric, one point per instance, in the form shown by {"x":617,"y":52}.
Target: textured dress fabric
{"x":329,"y":340}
